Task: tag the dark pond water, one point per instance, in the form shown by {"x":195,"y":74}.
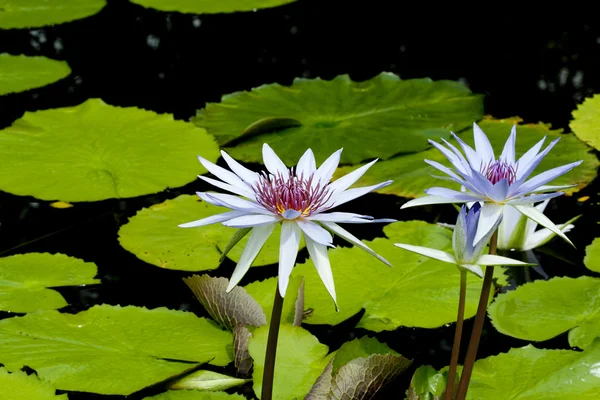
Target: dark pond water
{"x":533,"y":67}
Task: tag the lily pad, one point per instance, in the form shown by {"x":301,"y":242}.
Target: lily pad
{"x":20,"y":386}
{"x":207,"y":380}
{"x":592,"y":256}
{"x":542,"y":310}
{"x":95,"y":151}
{"x":293,"y":303}
{"x":194,"y":395}
{"x":376,"y":118}
{"x":20,"y":73}
{"x":585,"y":121}
{"x":111,"y":349}
{"x":299,"y":361}
{"x":36,"y":13}
{"x":154,"y":236}
{"x":210,"y":6}
{"x":24,"y":279}
{"x":411,"y":175}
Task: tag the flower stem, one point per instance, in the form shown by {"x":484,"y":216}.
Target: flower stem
{"x":463,"y":386}
{"x":449,"y":395}
{"x":269,"y":372}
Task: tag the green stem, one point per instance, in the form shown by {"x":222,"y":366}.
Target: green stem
{"x":449,"y":395}
{"x":269,"y":372}
{"x":463,"y":386}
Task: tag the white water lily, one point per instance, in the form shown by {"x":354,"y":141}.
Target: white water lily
{"x":296,"y":198}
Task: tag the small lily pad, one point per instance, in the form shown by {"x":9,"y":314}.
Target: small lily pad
{"x":194,"y":395}
{"x":586,"y":119}
{"x":20,"y":73}
{"x":210,"y":6}
{"x":154,"y":236}
{"x":111,"y":349}
{"x":95,"y":151}
{"x":592,"y":256}
{"x":411,"y":175}
{"x":36,"y":13}
{"x":542,"y":310}
{"x":20,"y":386}
{"x":24,"y":279}
{"x":376,"y":118}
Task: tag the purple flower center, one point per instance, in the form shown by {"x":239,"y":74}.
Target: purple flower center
{"x":497,"y":170}
{"x":291,"y":197}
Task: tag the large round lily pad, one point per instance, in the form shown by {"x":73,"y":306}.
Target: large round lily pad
{"x":375,"y":118}
{"x":95,"y":151}
{"x":20,"y":73}
{"x":586,"y":119}
{"x":24,"y":279}
{"x":544,"y":309}
{"x":210,"y":6}
{"x":111,"y":349}
{"x":36,"y":13}
{"x":411,"y":175}
{"x":20,"y":386}
{"x":592,"y":256}
{"x":194,"y":395}
{"x":154,"y":236}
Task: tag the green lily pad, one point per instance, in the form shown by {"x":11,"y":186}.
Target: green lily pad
{"x":194,"y":395}
{"x":543,"y":309}
{"x":95,"y":151}
{"x":592,"y":256}
{"x":154,"y":236}
{"x":299,"y":361}
{"x":427,"y":384}
{"x":111,"y":349}
{"x":24,"y":279}
{"x":411,"y":175}
{"x":20,"y":386}
{"x":207,"y":380}
{"x":20,"y":73}
{"x":264,"y":292}
{"x":36,"y":13}
{"x":585,"y":121}
{"x":376,"y":118}
{"x":210,"y":6}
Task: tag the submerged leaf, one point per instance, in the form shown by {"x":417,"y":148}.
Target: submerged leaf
{"x":194,"y":395}
{"x":243,"y":362}
{"x":25,"y":279}
{"x":592,"y":256}
{"x":322,"y":387}
{"x":375,"y":118}
{"x":207,"y":380}
{"x":20,"y":386}
{"x":20,"y":73}
{"x":542,"y":310}
{"x":95,"y":151}
{"x":211,"y":6}
{"x":586,"y":119}
{"x":111,"y":349}
{"x":36,"y":13}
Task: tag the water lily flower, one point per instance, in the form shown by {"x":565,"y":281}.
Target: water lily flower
{"x":496,"y":182}
{"x":468,"y":253}
{"x":298,"y":199}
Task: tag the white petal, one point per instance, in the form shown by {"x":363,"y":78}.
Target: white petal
{"x":476,"y":269}
{"x":474,"y":159}
{"x":551,"y":188}
{"x":288,"y":250}
{"x":448,"y":171}
{"x":306,"y":165}
{"x":248,"y":176}
{"x":523,"y":172}
{"x":341,"y":217}
{"x":234,"y":202}
{"x":545,"y":177}
{"x":242,"y":191}
{"x":249,"y":221}
{"x":531,"y":212}
{"x":525,"y":160}
{"x":344,"y":234}
{"x":351,"y":194}
{"x":319,"y":257}
{"x":508,"y":153}
{"x":426,"y":200}
{"x":221,"y":173}
{"x":211,"y":200}
{"x":213,"y":219}
{"x":492,"y":259}
{"x":457,"y":162}
{"x":488,"y":218}
{"x":482,"y":144}
{"x":315,"y":232}
{"x":256,"y":241}
{"x":543,"y":236}
{"x":273,"y":163}
{"x":426,"y":251}
{"x":325,"y":172}
{"x":349,"y":179}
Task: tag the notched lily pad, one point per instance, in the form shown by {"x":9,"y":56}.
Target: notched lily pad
{"x":379,"y":117}
{"x":542,"y":310}
{"x":207,"y":381}
{"x":95,"y":151}
{"x":20,"y":386}
{"x":35,"y":13}
{"x":20,"y":73}
{"x":210,"y":6}
{"x":592,"y":256}
{"x":111,"y":349}
{"x":586,"y":119}
{"x":25,"y":279}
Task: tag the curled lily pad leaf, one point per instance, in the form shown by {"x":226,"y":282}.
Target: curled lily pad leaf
{"x":228,"y":309}
{"x":379,"y":117}
{"x":95,"y":151}
{"x":36,"y":13}
{"x":542,"y":310}
{"x":207,"y":380}
{"x":592,"y":256}
{"x":300,"y":359}
{"x":411,"y":175}
{"x":20,"y":73}
{"x":210,"y":6}
{"x":585,"y":121}
{"x":20,"y":386}
{"x":128,"y":347}
{"x":293,"y":303}
{"x":426,"y":384}
{"x":195,"y":395}
{"x":25,"y":279}
{"x":322,"y":387}
{"x":243,"y":362}
{"x":154,"y":236}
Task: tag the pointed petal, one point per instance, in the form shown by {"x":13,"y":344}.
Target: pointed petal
{"x":512,"y":231}
{"x":351,"y":194}
{"x":526,"y":159}
{"x":306,"y":165}
{"x":288,"y":250}
{"x":213,"y":219}
{"x":426,"y":200}
{"x":315,"y":232}
{"x":252,"y":220}
{"x":482,"y":145}
{"x":244,"y":173}
{"x":543,"y":236}
{"x":211,"y":200}
{"x":242,"y":191}
{"x":492,"y":259}
{"x":533,"y":198}
{"x":524,"y":172}
{"x":256,"y":241}
{"x":551,"y":188}
{"x":349,"y":179}
{"x":273,"y":163}
{"x":457,"y":162}
{"x":508,"y":153}
{"x":472,"y":156}
{"x":475,"y":269}
{"x":237,"y":236}
{"x":530,"y":212}
{"x":233,"y":202}
{"x":221,"y":173}
{"x":544,"y":177}
{"x":326,"y":170}
{"x":447,"y":171}
{"x":319,"y":257}
{"x":341,"y":217}
{"x":499,"y":190}
{"x":489,"y":217}
{"x":344,"y":234}
{"x":426,"y":251}
{"x":455,"y":195}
